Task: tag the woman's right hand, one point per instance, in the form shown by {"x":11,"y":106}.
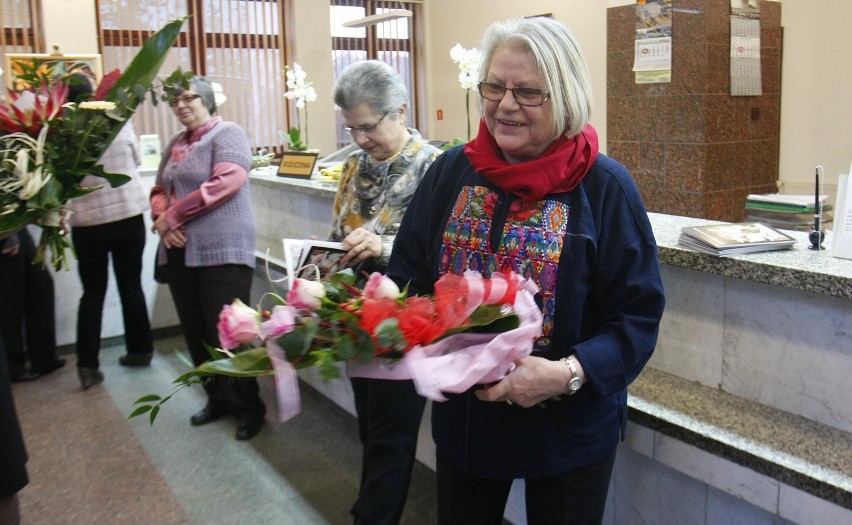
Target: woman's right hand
{"x":171,"y":238}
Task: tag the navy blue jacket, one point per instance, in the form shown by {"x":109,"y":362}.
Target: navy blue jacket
{"x":606,"y":300}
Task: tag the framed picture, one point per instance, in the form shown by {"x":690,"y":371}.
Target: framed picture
{"x":55,"y":65}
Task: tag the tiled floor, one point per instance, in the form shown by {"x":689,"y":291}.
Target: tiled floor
{"x":89,"y":464}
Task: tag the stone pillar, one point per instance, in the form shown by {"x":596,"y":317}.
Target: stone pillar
{"x":694,"y":149}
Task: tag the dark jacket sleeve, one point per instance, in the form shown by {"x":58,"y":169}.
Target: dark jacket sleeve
{"x":625,"y":298}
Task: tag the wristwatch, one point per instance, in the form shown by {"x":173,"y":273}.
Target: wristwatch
{"x":575,"y":382}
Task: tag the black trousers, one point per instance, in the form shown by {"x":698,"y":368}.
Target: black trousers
{"x":124,"y":240}
{"x":199,"y":294}
{"x":389,"y":414}
{"x":577,"y":497}
{"x":27,"y":309}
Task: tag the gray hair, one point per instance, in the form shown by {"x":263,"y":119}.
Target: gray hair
{"x":372,"y":82}
{"x":203,"y":87}
{"x":558,"y":59}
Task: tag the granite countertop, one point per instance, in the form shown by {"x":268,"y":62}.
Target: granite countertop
{"x":799,"y":268}
{"x":268,"y":177}
{"x":796,"y":451}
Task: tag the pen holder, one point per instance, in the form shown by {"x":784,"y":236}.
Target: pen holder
{"x":816,"y":237}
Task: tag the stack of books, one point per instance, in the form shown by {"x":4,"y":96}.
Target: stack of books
{"x":734,"y":239}
{"x":791,"y":212}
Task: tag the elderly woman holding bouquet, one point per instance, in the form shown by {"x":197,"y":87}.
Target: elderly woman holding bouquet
{"x":376,"y":185}
{"x":202,"y":211}
{"x":532,"y":193}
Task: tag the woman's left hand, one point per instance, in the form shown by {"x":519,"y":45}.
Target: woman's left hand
{"x":533,"y":380}
{"x":361,"y":245}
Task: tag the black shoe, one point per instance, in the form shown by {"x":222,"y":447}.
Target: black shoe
{"x":207,"y":415}
{"x":24,"y":376}
{"x":135,"y":359}
{"x":55,"y":365}
{"x":248,"y":429}
{"x":89,"y":377}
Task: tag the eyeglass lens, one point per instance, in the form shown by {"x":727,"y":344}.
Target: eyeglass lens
{"x":364,"y":130}
{"x":523,"y":96}
{"x":186,"y":99}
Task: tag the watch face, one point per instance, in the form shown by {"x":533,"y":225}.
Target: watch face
{"x":575,"y":384}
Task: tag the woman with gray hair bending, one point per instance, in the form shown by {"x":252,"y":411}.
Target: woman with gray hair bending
{"x":376,"y":185}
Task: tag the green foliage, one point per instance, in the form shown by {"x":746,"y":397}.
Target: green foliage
{"x":293,"y":140}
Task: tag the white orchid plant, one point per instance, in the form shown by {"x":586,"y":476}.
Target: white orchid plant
{"x":468,"y":61}
{"x":302,"y":92}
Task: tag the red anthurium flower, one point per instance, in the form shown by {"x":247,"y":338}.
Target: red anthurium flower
{"x":106,"y":84}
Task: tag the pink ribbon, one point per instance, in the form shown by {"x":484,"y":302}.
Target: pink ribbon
{"x":286,"y":383}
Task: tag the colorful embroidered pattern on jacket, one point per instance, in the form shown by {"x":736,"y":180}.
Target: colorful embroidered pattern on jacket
{"x":530,"y":241}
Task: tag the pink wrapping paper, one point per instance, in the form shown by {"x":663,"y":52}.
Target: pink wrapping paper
{"x":455,"y":364}
{"x":286,"y":383}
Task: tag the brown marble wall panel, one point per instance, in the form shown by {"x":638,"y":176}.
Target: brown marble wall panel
{"x":771,"y":33}
{"x":685,"y":167}
{"x":627,"y":153}
{"x":770,"y":70}
{"x":690,"y":64}
{"x":621,"y":29}
{"x":693,"y":149}
{"x":727,"y":205}
{"x":689,"y":22}
{"x":727,"y":118}
{"x":718,"y":69}
{"x":620,"y":79}
{"x":764,"y":158}
{"x":620,"y":119}
{"x":718,"y":13}
{"x":686,"y":118}
{"x":765,"y":117}
{"x":682,"y":203}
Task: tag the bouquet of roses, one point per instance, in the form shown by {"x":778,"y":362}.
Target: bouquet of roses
{"x":48,"y":144}
{"x":470,"y":331}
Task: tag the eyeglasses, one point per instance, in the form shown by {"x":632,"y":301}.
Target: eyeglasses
{"x":364,"y":130}
{"x":523,"y":96}
{"x":186,"y":99}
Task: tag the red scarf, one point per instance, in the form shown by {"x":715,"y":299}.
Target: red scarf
{"x":558,"y":170}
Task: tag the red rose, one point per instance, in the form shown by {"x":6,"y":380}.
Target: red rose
{"x":419,"y":322}
{"x":374,"y":311}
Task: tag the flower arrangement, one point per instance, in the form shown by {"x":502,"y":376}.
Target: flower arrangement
{"x":49,"y":144}
{"x":468,"y":61}
{"x":302,"y":92}
{"x":376,"y":330}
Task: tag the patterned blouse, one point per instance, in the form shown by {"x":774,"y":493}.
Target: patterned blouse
{"x":374,"y":194}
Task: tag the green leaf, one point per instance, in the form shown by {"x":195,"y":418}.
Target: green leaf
{"x":139,"y":411}
{"x":251,"y":363}
{"x":150,"y":398}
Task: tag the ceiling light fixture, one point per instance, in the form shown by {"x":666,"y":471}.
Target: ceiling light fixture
{"x":378,"y":18}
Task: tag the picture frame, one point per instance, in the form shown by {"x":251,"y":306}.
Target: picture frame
{"x":58,"y":63}
{"x":297,"y":164}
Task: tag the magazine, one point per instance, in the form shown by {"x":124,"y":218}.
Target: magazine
{"x":309,"y":259}
{"x":734,"y":239}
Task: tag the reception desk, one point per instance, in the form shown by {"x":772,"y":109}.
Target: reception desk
{"x":744,"y":410}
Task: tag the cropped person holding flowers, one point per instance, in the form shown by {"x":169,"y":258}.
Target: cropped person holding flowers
{"x":108,"y":224}
{"x":532,"y":193}
{"x":376,"y":185}
{"x":202,"y":211}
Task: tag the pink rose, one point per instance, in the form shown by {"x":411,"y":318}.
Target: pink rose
{"x":238,"y":324}
{"x":380,"y":287}
{"x":306,"y":294}
{"x":281,"y":320}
